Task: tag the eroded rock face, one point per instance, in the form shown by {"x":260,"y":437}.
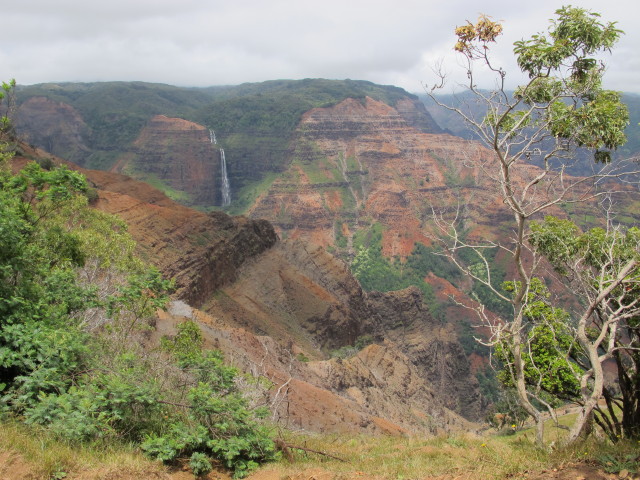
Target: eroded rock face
{"x":322,"y":309}
{"x":54,"y":126}
{"x":357,"y":163}
{"x":433,"y":348}
{"x":378,"y":390}
{"x":202,"y":252}
{"x":181,"y":154}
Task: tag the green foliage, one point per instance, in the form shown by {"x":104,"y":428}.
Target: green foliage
{"x":351,"y":350}
{"x":6,"y":109}
{"x":425,"y":259}
{"x":301,"y":357}
{"x":62,"y":265}
{"x":562,"y":242}
{"x":562,"y":66}
{"x":550,"y":346}
{"x":115,"y":112}
{"x":575,"y":35}
{"x":564,"y":94}
{"x":137,"y":299}
{"x":108,"y":405}
{"x":619,"y":461}
{"x":596,"y":259}
{"x":375,"y":272}
{"x":218,"y":422}
{"x":487,"y":381}
{"x":38,"y":261}
{"x":562,"y":107}
{"x":199,"y":464}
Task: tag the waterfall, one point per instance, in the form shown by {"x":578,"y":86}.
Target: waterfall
{"x":226,"y":187}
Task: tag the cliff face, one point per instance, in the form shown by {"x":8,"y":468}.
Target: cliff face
{"x":178,"y":153}
{"x":432,"y":347}
{"x":200,"y":251}
{"x":55,"y":126}
{"x":356,"y":164}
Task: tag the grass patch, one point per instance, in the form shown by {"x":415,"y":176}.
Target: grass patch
{"x":151,"y":179}
{"x":465,"y":456}
{"x":352,"y":163}
{"x":46,"y":457}
{"x":321,"y":171}
{"x":100,"y":160}
{"x":392,"y":457}
{"x":246,"y":196}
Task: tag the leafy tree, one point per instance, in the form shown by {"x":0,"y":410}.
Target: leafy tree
{"x":601,"y":265}
{"x":7,"y":105}
{"x":560,"y":107}
{"x":38,"y":292}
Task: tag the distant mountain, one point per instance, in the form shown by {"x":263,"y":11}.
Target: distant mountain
{"x":97,"y":125}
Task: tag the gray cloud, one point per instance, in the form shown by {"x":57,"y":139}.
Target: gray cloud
{"x":199,"y":43}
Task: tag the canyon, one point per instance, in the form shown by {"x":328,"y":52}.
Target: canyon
{"x":320,"y":171}
{"x":292,"y":313}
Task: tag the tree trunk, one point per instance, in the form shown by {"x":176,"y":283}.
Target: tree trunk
{"x":590,"y":393}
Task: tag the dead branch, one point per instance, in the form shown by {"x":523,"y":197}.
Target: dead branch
{"x":286,"y":448}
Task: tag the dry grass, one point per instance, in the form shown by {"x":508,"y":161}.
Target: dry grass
{"x":465,"y":456}
{"x":391,"y":457}
{"x":45,"y":457}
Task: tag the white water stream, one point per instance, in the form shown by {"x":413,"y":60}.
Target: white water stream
{"x":225,"y":185}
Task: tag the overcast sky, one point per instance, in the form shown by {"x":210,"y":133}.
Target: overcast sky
{"x":214,"y":42}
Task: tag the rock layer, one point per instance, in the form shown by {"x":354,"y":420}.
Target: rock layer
{"x":180,"y":154}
